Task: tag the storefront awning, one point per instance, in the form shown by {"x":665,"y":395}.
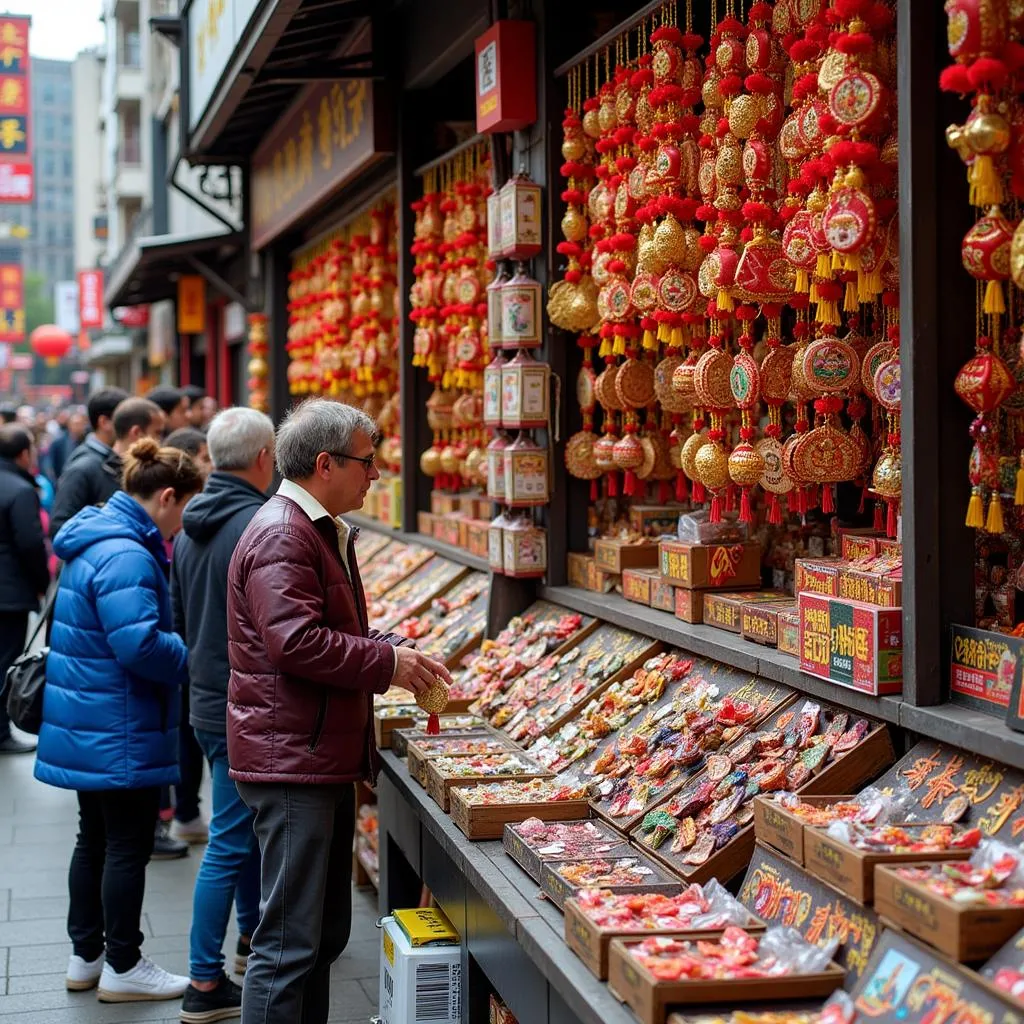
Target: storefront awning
{"x":147,"y":269}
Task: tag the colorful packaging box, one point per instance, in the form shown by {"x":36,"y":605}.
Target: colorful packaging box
{"x":710,"y":566}
{"x":760,"y":620}
{"x":725,"y":611}
{"x":818,"y":575}
{"x":689,"y":604}
{"x":636,"y":584}
{"x":615,"y":555}
{"x":789,"y":631}
{"x":663,"y":594}
{"x":873,"y":581}
{"x":654,"y":520}
{"x":851,"y":643}
{"x":583,"y":573}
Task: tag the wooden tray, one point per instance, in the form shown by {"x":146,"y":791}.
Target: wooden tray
{"x":531,"y":861}
{"x":852,"y":871}
{"x":421,"y":750}
{"x":451,"y":725}
{"x":488,"y":821}
{"x":439,"y":786}
{"x":456,"y":634}
{"x":631,"y":983}
{"x":414,"y":594}
{"x":965,"y":933}
{"x":591,"y":943}
{"x":369,"y":544}
{"x":414,"y":718}
{"x":559,"y":889}
{"x":730,"y":682}
{"x":782,"y":829}
{"x":849,"y":771}
{"x":392,"y":566}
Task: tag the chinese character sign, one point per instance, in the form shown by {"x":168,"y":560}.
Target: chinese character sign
{"x":90,"y":299}
{"x":12,"y":303}
{"x":191,"y":304}
{"x":16,"y":176}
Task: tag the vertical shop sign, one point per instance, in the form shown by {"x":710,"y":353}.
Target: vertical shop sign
{"x":191,"y":304}
{"x":16,"y":175}
{"x":506,"y":97}
{"x":12,"y":303}
{"x":90,"y":299}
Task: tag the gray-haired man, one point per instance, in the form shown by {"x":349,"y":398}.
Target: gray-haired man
{"x":241,"y":447}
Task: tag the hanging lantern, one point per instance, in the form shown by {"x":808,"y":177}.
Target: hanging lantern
{"x":525,"y":549}
{"x":495,"y":239}
{"x":525,"y":391}
{"x":526,"y":473}
{"x":496,"y":542}
{"x":493,"y":391}
{"x":495,"y":337}
{"x":520,"y":311}
{"x":50,"y":343}
{"x":496,"y":467}
{"x":520,"y":206}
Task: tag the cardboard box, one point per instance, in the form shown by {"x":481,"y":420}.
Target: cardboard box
{"x":893,"y":548}
{"x":710,"y":566}
{"x":817,"y":576}
{"x":559,"y":888}
{"x":631,"y":983}
{"x":446,"y":529}
{"x":615,"y":556}
{"x":464,"y":522}
{"x":873,"y":581}
{"x":476,"y":537}
{"x":488,"y":821}
{"x":857,"y":546}
{"x":689,"y":604}
{"x":853,"y":644}
{"x":789,"y":631}
{"x":663,"y":594}
{"x":852,"y":871}
{"x":782,"y":829}
{"x":760,"y":620}
{"x":442,"y":504}
{"x":725,"y":611}
{"x":413,"y":976}
{"x":584,"y":573}
{"x":654,"y":520}
{"x":425,"y":523}
{"x":531,"y":861}
{"x":636,"y":584}
{"x":965,"y":933}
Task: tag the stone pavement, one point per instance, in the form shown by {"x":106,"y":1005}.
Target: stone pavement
{"x":37,"y":833}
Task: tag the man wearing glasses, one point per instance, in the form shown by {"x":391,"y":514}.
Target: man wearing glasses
{"x":304,"y":667}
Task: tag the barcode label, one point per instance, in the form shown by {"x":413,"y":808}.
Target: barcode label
{"x":389,"y":984}
{"x":433,"y":992}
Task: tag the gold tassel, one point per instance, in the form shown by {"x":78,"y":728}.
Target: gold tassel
{"x":650,"y":342}
{"x":676,"y":338}
{"x":850,"y":304}
{"x":994,"y":301}
{"x":827,"y":313}
{"x":975,"y":510}
{"x":446,"y":380}
{"x":852,"y":261}
{"x":1018,"y":495}
{"x":662,"y":331}
{"x":823,"y":267}
{"x":837,"y":260}
{"x":619,"y":345}
{"x":815,"y":296}
{"x":994,"y":523}
{"x":724,"y":301}
{"x":803,"y":282}
{"x":986,"y":187}
{"x":605,"y":348}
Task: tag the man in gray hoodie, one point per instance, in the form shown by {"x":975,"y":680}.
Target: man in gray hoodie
{"x":241,"y":447}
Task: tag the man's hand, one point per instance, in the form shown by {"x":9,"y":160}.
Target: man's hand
{"x":415,"y":672}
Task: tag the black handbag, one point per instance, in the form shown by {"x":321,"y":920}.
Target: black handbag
{"x":26,"y":679}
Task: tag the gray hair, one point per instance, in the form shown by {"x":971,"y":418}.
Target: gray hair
{"x":236,"y":437}
{"x":318,"y":425}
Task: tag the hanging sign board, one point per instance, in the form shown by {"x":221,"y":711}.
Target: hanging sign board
{"x":506,"y":97}
{"x":191,"y":304}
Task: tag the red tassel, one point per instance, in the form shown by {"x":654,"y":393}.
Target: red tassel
{"x":890,"y":520}
{"x":629,"y":485}
{"x":594,"y":494}
{"x":699,"y":495}
{"x":827,"y":502}
{"x":774,"y":510}
{"x":746,"y":515}
{"x":681,"y":489}
{"x":812,"y":497}
{"x":879,"y":523}
{"x":433,"y":725}
{"x":613,"y":486}
{"x":716,"y":509}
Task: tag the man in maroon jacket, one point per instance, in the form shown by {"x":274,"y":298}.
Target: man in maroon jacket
{"x":304,"y":667}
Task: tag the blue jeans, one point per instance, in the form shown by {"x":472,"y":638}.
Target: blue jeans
{"x":229,"y":873}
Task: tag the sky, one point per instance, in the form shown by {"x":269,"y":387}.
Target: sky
{"x":60,"y":28}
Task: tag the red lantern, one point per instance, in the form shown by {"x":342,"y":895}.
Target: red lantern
{"x":50,"y":343}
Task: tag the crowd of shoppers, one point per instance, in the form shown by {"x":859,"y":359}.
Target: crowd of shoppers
{"x":243,"y":645}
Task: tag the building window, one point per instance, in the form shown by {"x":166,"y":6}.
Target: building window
{"x":49,"y":165}
{"x":49,"y":127}
{"x":68,"y":166}
{"x":131,"y":137}
{"x":131,"y":49}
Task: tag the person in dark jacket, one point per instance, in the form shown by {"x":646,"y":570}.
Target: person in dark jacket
{"x":68,"y":441}
{"x":241,"y":444}
{"x":174,"y":403}
{"x":93,"y":472}
{"x":110,"y":713}
{"x":304,"y":668}
{"x":24,"y":573}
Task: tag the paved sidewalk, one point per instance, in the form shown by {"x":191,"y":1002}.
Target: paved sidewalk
{"x":37,"y":832}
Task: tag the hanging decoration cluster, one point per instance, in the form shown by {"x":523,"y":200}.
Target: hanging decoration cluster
{"x":731,"y":259}
{"x":984,"y":43}
{"x":342,"y":324}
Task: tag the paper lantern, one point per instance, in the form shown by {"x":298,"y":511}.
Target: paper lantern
{"x":50,"y":343}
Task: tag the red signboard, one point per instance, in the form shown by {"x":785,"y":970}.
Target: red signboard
{"x":506,"y":97}
{"x":90,"y":299}
{"x":16,"y":172}
{"x":12,"y":303}
{"x":132,"y":316}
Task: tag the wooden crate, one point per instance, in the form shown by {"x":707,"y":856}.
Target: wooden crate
{"x":559,"y":889}
{"x":783,"y":830}
{"x":591,"y":943}
{"x":450,"y":725}
{"x":531,"y":861}
{"x":439,"y":786}
{"x":488,"y":821}
{"x":631,"y":983}
{"x":419,"y":751}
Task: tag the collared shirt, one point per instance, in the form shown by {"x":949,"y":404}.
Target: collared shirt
{"x":315,"y":511}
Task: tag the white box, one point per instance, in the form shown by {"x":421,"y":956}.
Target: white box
{"x":418,"y":984}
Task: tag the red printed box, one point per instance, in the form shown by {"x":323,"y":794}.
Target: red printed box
{"x":636,"y":585}
{"x":663,"y":595}
{"x":853,"y":644}
{"x":818,"y":575}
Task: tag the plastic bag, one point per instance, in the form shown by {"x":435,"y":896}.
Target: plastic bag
{"x":723,"y":908}
{"x":792,"y":953}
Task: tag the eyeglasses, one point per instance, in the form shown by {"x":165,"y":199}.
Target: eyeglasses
{"x":368,"y":461}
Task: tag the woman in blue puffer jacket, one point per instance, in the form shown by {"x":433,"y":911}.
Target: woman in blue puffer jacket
{"x":110,"y":712}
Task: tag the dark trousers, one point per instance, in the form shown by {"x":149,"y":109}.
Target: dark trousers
{"x":190,"y":765}
{"x":305,"y":835}
{"x":107,"y":880}
{"x":13,"y":634}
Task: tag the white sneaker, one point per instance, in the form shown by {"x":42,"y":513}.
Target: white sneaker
{"x":145,"y":982}
{"x":83,"y":974}
{"x":194,"y":832}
